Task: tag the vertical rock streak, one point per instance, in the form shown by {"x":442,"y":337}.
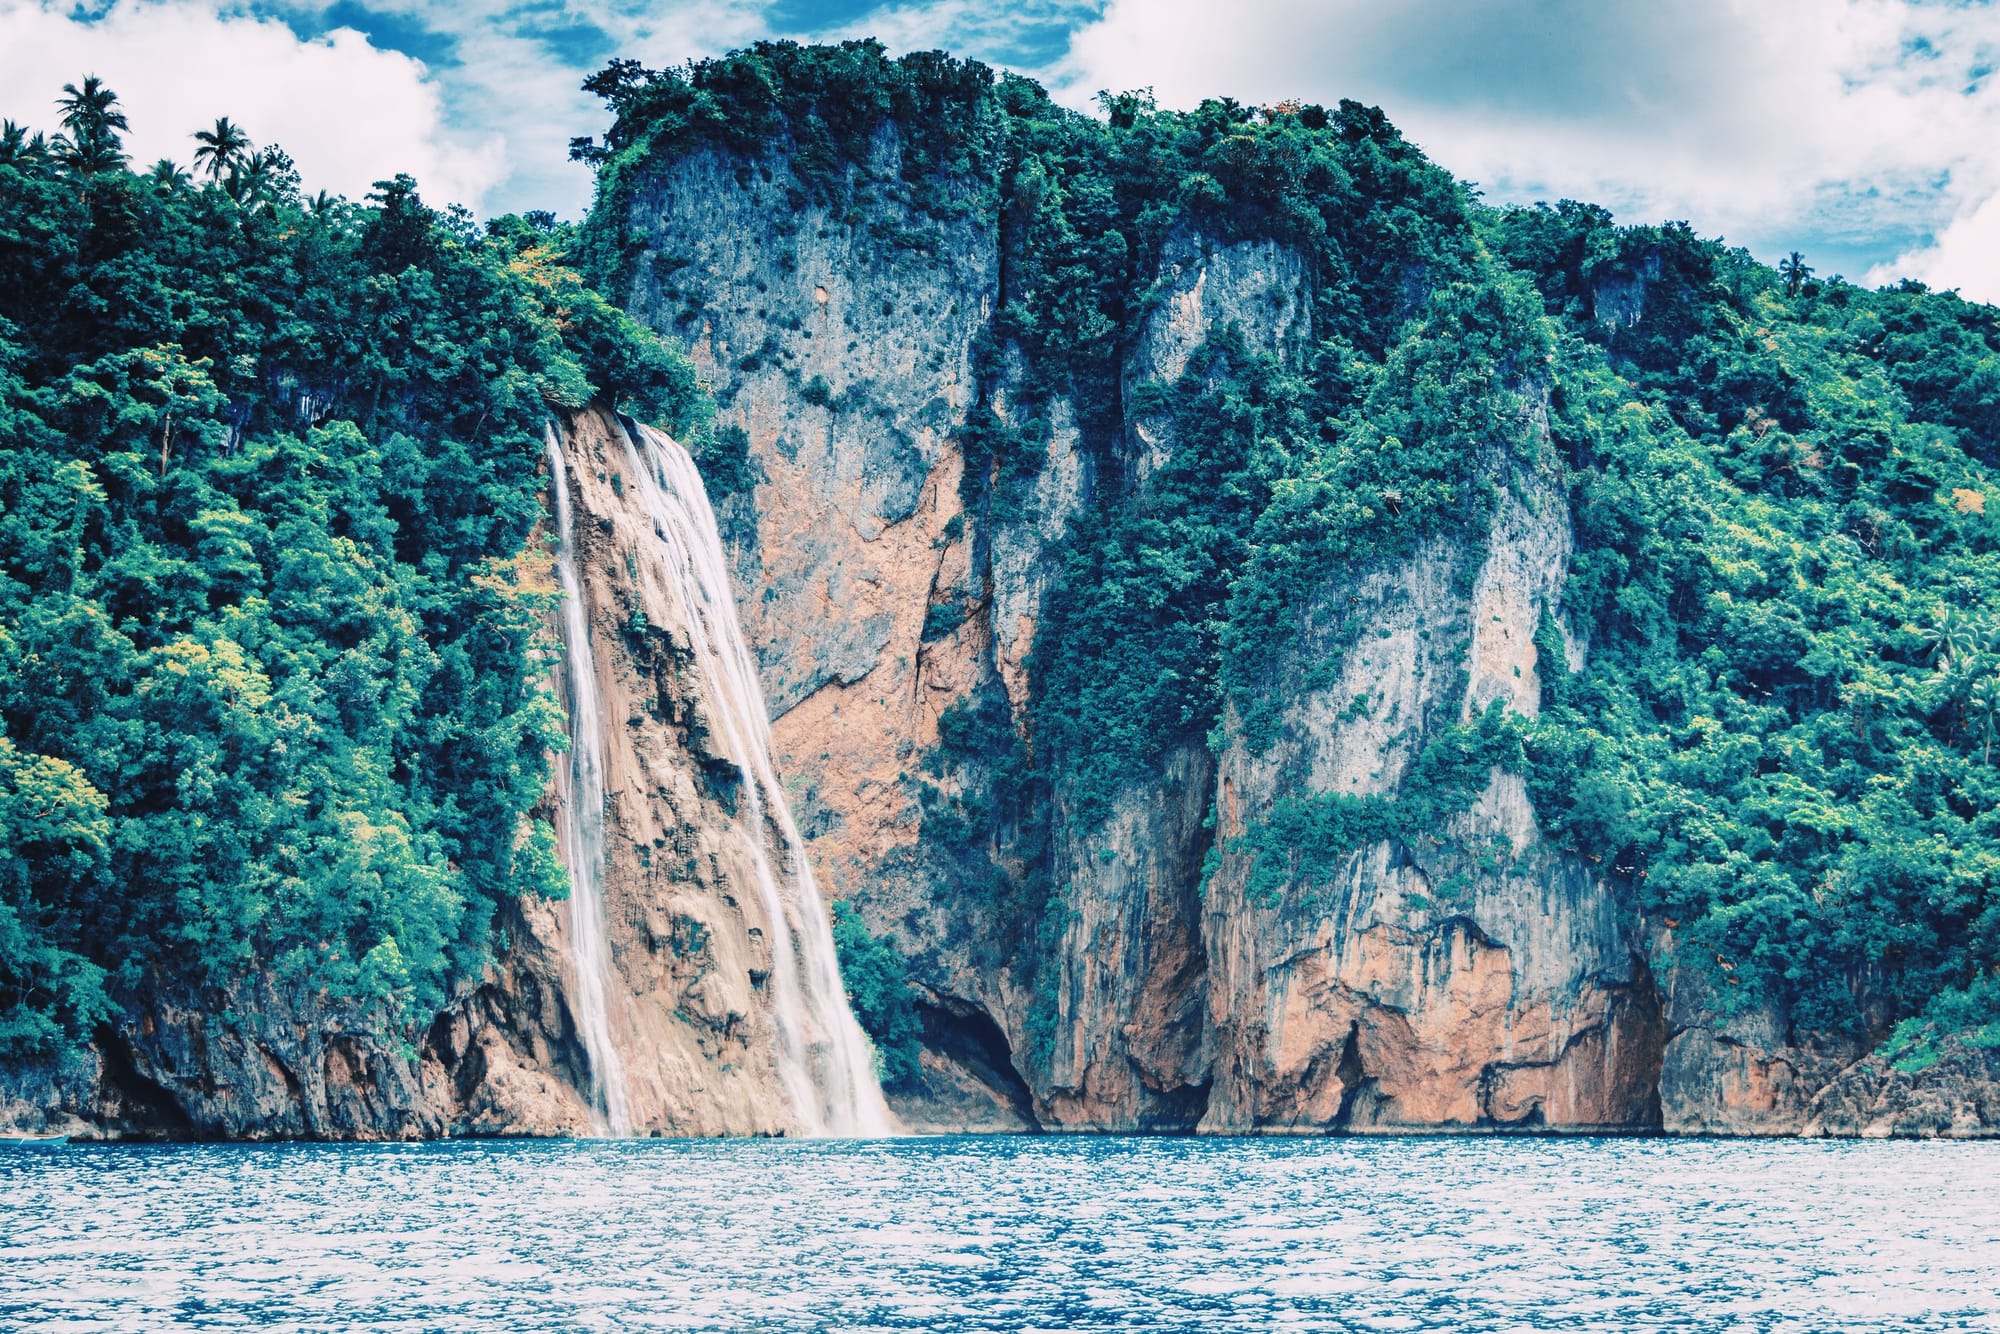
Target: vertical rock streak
{"x":823,"y":1060}
{"x":580,"y":789}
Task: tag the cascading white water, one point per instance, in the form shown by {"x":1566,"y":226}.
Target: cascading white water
{"x":823,"y":1058}
{"x":580,"y":789}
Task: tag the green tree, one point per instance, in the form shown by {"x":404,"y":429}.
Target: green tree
{"x":20,"y":150}
{"x":221,"y":148}
{"x":92,"y":118}
{"x":167,"y":175}
{"x":251,"y":180}
{"x":54,"y":828}
{"x":86,"y":158}
{"x":878,"y":987}
{"x":1795,"y":271}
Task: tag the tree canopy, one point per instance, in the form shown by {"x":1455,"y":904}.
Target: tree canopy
{"x":272,"y":677}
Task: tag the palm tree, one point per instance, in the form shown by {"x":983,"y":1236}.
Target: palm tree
{"x":1124,"y":109}
{"x":1966,"y":651}
{"x":92,"y":110}
{"x":18,"y":150}
{"x":221,"y":148}
{"x":87,"y":155}
{"x":92,"y":117}
{"x":168,"y":177}
{"x":1794,"y":270}
{"x":250,"y":180}
{"x":1947,"y":636}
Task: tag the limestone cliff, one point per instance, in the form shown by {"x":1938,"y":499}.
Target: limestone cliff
{"x":849,"y":362}
{"x":1474,"y":978}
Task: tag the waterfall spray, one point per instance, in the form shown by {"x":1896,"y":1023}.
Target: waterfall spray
{"x":823,"y":1058}
{"x":580,"y":789}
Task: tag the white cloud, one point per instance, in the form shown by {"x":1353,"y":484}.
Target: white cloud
{"x":506,"y":77}
{"x":509,"y":76}
{"x":516,"y":68}
{"x":1965,"y":255}
{"x":1863,"y":124}
{"x":349,"y":113}
{"x":1016,"y":35}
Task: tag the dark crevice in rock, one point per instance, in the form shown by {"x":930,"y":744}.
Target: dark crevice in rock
{"x":1353,"y":1078}
{"x":1652,"y":1011}
{"x":466,"y":1069}
{"x":293,"y":1088}
{"x":147,"y":1109}
{"x":1180,"y":1110}
{"x":968,"y":1062}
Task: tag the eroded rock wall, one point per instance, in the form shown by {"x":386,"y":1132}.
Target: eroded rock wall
{"x":269,"y":1061}
{"x":1471,"y":976}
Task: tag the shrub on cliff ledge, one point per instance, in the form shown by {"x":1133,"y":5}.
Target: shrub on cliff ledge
{"x":878,"y":988}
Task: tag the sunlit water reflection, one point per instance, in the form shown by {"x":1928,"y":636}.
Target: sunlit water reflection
{"x":1005,"y":1234}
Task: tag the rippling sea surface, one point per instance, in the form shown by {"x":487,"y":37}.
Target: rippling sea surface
{"x":1004,"y":1234}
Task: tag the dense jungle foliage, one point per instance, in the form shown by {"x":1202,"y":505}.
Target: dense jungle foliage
{"x":1781,"y":740}
{"x":272,"y":695}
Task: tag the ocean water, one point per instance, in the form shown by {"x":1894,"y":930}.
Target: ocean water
{"x":1004,"y":1234}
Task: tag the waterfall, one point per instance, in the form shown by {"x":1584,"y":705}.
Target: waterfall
{"x":823,"y":1059}
{"x":580,"y":788}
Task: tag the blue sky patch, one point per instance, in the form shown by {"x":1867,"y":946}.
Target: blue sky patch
{"x":391,"y":32}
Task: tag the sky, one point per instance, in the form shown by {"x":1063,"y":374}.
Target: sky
{"x":1864,"y":133}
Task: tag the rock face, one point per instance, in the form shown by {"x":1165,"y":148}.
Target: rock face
{"x":1958,"y":1097}
{"x":689,"y":944}
{"x":846,"y":356}
{"x":1473,"y":979}
{"x":1736,"y":1073}
{"x":1131,"y":1044}
{"x":1750,"y":1072}
{"x":503,"y":1060}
